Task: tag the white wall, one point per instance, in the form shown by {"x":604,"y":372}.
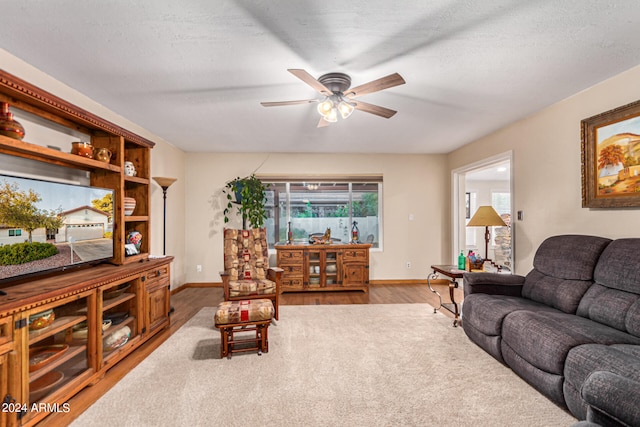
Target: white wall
{"x":413,"y":184}
{"x":546,"y":169}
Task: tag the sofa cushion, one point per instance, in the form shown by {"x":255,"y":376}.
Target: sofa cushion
{"x":615,"y":298}
{"x":571,"y":257}
{"x":613,"y":307}
{"x":621,"y":359}
{"x":619,"y":266}
{"x":245,"y":288}
{"x":545,"y":339}
{"x":563,"y":270}
{"x":246,"y":253}
{"x":563,"y":294}
{"x":486,"y":312}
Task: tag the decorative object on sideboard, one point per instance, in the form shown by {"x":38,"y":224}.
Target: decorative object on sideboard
{"x":8,"y":125}
{"x":164,"y":183}
{"x":83,"y":149}
{"x":129,"y":169}
{"x":129,"y":206}
{"x":486,"y":217}
{"x":355,"y":233}
{"x":103,"y":154}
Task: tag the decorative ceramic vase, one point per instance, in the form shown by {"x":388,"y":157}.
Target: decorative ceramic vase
{"x":83,"y":149}
{"x":129,"y":169}
{"x":135,"y":238}
{"x":8,"y":126}
{"x":103,"y":154}
{"x":129,"y":206}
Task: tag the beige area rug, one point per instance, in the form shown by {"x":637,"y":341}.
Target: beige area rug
{"x":328,"y":365}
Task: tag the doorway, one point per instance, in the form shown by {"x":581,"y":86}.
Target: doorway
{"x":488,"y":182}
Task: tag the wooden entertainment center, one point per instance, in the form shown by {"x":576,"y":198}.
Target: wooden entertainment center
{"x":101,"y":313}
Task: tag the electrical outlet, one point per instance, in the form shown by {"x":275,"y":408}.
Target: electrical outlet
{"x":199,"y":268}
{"x":408,"y":264}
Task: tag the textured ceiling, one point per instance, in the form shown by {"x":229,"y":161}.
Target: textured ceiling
{"x":195,"y":71}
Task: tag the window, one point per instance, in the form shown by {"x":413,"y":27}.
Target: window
{"x":312,"y":207}
{"x":15,"y":233}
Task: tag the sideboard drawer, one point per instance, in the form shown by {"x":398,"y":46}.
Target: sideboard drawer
{"x":292,"y":270}
{"x":290,"y":257}
{"x":350,"y":255}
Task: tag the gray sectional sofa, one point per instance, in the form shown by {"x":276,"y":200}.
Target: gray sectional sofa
{"x":570,"y":328}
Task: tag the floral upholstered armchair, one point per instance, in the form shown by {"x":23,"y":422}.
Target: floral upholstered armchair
{"x":247,"y":274}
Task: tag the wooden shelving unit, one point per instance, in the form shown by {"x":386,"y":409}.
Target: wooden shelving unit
{"x":78,"y":296}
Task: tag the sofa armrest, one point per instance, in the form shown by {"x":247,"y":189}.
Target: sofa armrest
{"x":493,"y":283}
{"x":612,"y":399}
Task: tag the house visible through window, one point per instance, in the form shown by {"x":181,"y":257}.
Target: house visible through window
{"x":313,"y":206}
{"x":15,"y":233}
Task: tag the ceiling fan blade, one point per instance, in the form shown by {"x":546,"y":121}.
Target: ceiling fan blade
{"x":322,"y":123}
{"x":375,"y":109}
{"x":311,"y":81}
{"x":391,"y":80}
{"x":281,"y":103}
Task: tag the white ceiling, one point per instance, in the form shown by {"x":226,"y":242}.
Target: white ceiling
{"x":195,"y":71}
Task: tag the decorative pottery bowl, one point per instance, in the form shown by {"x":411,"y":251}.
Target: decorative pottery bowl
{"x":116,"y":339}
{"x":129,"y":206}
{"x":83,"y":149}
{"x":40,"y":387}
{"x":43,"y":355}
{"x":80,"y":331}
{"x":41,"y":320}
{"x":129,"y":169}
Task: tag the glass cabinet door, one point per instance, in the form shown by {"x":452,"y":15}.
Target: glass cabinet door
{"x":119,"y":317}
{"x":331,"y":269}
{"x":314,"y":268}
{"x":59,"y":346}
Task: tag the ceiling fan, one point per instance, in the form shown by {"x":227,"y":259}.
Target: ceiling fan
{"x":339,"y":98}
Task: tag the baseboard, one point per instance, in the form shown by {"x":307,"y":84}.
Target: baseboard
{"x":407,"y":282}
{"x":391,"y":282}
{"x":197,"y":285}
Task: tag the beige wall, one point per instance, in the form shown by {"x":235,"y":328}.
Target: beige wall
{"x":166,"y":160}
{"x":546,"y":168}
{"x":413,"y":184}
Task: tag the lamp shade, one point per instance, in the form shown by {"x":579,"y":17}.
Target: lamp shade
{"x":164,"y":182}
{"x":485,"y":216}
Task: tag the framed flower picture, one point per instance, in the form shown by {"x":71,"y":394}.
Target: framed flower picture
{"x":611,"y":158}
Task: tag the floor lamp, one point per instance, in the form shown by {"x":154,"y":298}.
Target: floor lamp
{"x":165,"y":183}
{"x":486,"y":217}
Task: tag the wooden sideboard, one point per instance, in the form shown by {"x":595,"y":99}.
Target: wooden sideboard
{"x":331,"y":267}
{"x":41,"y":369}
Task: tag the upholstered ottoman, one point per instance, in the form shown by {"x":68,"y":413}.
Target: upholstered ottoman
{"x":244,"y":316}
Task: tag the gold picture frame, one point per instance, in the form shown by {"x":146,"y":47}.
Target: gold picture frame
{"x":611,"y":158}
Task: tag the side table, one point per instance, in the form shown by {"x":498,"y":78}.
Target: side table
{"x":452,"y":273}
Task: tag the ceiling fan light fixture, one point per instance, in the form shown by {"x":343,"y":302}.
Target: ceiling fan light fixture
{"x":332,"y":117}
{"x":325,"y":107}
{"x":345,"y":108}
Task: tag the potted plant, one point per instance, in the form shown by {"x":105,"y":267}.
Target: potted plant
{"x":249,"y":194}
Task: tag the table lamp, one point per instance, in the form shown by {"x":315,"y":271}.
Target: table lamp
{"x":486,"y":217}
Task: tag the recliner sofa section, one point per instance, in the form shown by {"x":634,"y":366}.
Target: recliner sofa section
{"x":575,"y":313}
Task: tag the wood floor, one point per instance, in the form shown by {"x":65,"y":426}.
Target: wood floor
{"x":188,"y":302}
